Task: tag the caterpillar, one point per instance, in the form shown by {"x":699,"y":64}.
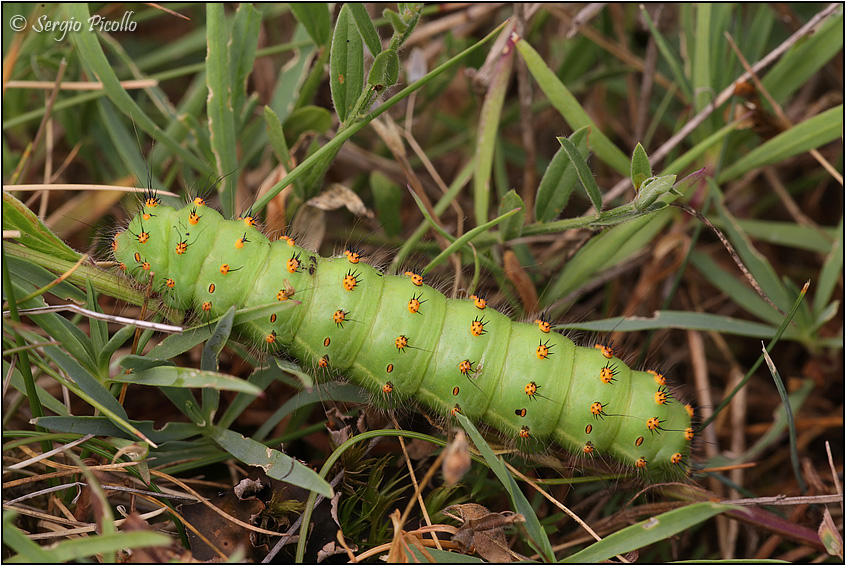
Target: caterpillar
{"x":401,"y":339}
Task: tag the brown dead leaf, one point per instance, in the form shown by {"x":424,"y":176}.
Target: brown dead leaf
{"x":338,"y":195}
{"x":483,"y":531}
{"x":224,"y":534}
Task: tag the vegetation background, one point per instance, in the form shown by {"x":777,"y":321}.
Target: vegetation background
{"x":462,"y":105}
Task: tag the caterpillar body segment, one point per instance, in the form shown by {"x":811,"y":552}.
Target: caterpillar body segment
{"x":534,"y":386}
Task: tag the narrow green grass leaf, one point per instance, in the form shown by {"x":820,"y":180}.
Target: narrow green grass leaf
{"x":693,"y":154}
{"x":101,"y":426}
{"x":788,"y":412}
{"x":465,"y":238}
{"x":486,"y":136}
{"x":782,"y":327}
{"x":274,"y":463}
{"x":789,"y":234}
{"x":676,"y":319}
{"x":757,"y":264}
{"x":126,"y":144}
{"x":216,"y":342}
{"x":647,"y":532}
{"x":365,"y":27}
{"x":315,"y":18}
{"x":602,"y":252}
{"x":805,"y":59}
{"x":76,"y":549}
{"x":276,"y":137}
{"x":91,"y":391}
{"x":26,"y":549}
{"x":737,"y":289}
{"x":171,"y":376}
{"x":85,"y":381}
{"x":346,"y":65}
{"x":563,"y":100}
{"x":810,"y":134}
{"x":559,"y":179}
{"x":669,"y":55}
{"x":831,"y":272}
{"x":583,"y":171}
{"x":243,"y":43}
{"x":46,"y":399}
{"x":704,"y":89}
{"x":223,"y":139}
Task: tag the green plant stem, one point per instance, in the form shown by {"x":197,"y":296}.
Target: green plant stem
{"x":23,"y":356}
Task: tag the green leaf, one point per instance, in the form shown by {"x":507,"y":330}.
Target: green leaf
{"x":563,"y":100}
{"x":27,"y":550}
{"x":316,"y":19}
{"x":653,"y":189}
{"x":641,"y":170}
{"x":34,"y":233}
{"x":396,"y":22}
{"x":789,"y":234}
{"x":661,"y":320}
{"x":307,"y":119}
{"x":346,"y":65}
{"x":702,"y":73}
{"x":511,"y":228}
{"x":171,"y":376}
{"x":223,"y":139}
{"x":602,"y":252}
{"x":669,"y":56}
{"x":559,"y":179}
{"x":366,"y":28}
{"x":807,"y":135}
{"x":830,"y":273}
{"x":242,"y":46}
{"x":649,"y":531}
{"x":101,"y":426}
{"x":583,"y":171}
{"x":214,"y":345}
{"x":274,"y":463}
{"x":737,"y":289}
{"x":276,"y":137}
{"x":488,"y":132}
{"x":805,"y":59}
{"x":385,"y":70}
{"x":76,"y":549}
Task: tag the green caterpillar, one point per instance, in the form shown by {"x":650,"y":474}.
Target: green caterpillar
{"x":401,"y":339}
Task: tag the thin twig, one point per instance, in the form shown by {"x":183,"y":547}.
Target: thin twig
{"x":101,"y":316}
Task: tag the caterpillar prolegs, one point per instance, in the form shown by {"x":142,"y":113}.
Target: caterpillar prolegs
{"x":400,"y":338}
